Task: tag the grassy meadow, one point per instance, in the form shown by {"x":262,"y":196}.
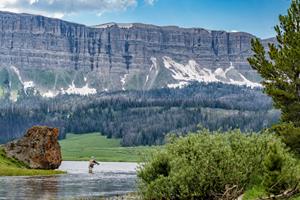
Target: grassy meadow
{"x":82,"y":146}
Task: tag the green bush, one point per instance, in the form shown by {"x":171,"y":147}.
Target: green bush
{"x":206,"y":165}
{"x":290,"y":135}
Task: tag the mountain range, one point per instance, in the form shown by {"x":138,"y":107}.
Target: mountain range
{"x":48,"y":57}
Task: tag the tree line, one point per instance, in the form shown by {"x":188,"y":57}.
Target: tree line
{"x":142,"y":117}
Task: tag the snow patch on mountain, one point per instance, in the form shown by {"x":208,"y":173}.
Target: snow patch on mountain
{"x":49,"y":94}
{"x":246,"y":82}
{"x":26,"y":84}
{"x":147,"y":78}
{"x":221,"y":73}
{"x":72,"y":89}
{"x":189,"y":72}
{"x":123,"y":81}
{"x":83,"y":91}
{"x":193,"y":72}
{"x":17,"y":72}
{"x":181,"y":84}
{"x":120,"y":25}
{"x":154,"y":64}
{"x":153,"y":67}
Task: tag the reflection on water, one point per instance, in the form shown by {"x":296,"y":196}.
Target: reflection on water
{"x":29,"y":187}
{"x":108,"y":179}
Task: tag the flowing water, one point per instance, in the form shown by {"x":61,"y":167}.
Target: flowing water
{"x":109,"y":178}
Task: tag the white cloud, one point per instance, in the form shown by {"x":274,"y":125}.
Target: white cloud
{"x":150,"y":2}
{"x":59,"y":8}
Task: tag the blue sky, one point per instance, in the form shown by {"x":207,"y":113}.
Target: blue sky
{"x":254,"y":16}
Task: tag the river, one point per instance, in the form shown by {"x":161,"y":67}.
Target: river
{"x":109,"y":178}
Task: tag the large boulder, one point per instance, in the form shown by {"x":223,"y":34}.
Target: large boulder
{"x":39,"y":148}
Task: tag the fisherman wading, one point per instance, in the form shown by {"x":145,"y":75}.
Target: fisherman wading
{"x":92,"y":162}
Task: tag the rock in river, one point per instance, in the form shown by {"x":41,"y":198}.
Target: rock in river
{"x":39,"y":148}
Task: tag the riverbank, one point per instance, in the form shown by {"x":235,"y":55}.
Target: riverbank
{"x":13,"y":167}
{"x":80,"y":147}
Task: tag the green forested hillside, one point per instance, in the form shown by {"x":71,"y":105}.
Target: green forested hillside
{"x":142,"y":117}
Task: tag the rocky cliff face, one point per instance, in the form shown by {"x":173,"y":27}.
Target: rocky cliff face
{"x":51,"y":56}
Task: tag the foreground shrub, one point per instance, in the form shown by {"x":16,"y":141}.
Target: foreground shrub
{"x":213,"y":165}
{"x":290,"y":135}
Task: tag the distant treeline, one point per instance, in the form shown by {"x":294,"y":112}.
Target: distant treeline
{"x":142,"y":117}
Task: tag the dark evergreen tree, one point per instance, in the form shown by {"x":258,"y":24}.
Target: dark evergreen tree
{"x":281,"y":68}
{"x":281,"y":73}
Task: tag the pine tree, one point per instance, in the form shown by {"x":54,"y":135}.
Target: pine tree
{"x":280,"y":69}
{"x":281,"y":73}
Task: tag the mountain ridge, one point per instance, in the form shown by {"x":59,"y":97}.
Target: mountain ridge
{"x":134,"y":82}
{"x":54,"y":56}
{"x":140,"y":24}
{"x":133,"y":23}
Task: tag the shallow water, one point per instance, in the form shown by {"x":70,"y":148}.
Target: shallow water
{"x":109,"y":178}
